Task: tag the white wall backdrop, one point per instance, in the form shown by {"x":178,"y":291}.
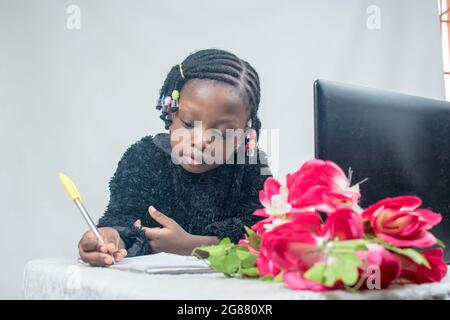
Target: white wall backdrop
{"x":74,"y":100}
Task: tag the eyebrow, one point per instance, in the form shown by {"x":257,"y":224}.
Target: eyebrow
{"x":225,"y":120}
{"x":188,"y":108}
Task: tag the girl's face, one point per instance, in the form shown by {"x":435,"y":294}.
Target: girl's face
{"x":200,"y":140}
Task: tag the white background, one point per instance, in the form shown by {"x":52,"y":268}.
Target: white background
{"x":74,"y":100}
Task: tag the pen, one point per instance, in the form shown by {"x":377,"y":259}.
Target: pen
{"x":76,"y":197}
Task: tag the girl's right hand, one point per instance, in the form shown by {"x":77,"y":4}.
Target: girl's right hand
{"x":94,"y":253}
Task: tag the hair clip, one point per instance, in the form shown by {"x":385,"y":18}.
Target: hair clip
{"x":159,"y":103}
{"x":180,"y":67}
{"x":175,"y":95}
{"x":174,"y":105}
{"x":168,"y":104}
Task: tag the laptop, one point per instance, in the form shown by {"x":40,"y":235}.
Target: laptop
{"x":401,"y":143}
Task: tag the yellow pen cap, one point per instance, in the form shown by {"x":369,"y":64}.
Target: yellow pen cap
{"x":70,"y":187}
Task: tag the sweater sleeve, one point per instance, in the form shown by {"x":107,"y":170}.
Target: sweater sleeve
{"x":129,"y":198}
{"x":242,"y":211}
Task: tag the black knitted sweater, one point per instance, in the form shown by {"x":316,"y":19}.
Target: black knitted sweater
{"x":215,"y":203}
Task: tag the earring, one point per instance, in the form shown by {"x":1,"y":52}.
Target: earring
{"x":250,"y":146}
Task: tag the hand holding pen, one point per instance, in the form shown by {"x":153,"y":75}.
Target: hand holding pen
{"x":96,"y":253}
{"x":98,"y":246}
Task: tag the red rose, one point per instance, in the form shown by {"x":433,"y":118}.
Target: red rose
{"x":399,"y":221}
{"x":321,"y":185}
{"x":291,"y":246}
{"x":344,"y":224}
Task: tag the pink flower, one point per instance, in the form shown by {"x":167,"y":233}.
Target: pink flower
{"x":294,"y":239}
{"x":259,"y":227}
{"x":385,"y":262}
{"x":398,"y":221}
{"x":344,"y":224}
{"x":291,"y":246}
{"x":265,"y":265}
{"x":415,"y":273}
{"x":274,"y":197}
{"x":321,"y":185}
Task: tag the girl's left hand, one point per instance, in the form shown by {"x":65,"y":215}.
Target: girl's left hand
{"x":171,"y":238}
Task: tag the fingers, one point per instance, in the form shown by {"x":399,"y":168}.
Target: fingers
{"x":161,"y":218}
{"x":120,"y":255}
{"x":101,"y":258}
{"x":138,"y":223}
{"x":108,"y":244}
{"x":152,"y":233}
{"x":96,"y":258}
{"x":108,"y":248}
{"x":99,"y":253}
{"x":89,"y":242}
{"x":110,"y":235}
{"x":154,"y":246}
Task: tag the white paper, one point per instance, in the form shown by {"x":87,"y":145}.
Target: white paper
{"x":164,"y":263}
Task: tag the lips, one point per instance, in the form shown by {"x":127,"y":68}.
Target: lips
{"x":192,"y":159}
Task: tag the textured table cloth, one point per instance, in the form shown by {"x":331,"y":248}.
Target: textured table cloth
{"x":68,"y":279}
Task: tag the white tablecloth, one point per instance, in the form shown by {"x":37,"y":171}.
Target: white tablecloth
{"x":68,"y":279}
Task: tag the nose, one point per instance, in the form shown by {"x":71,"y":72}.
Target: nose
{"x":197,"y":140}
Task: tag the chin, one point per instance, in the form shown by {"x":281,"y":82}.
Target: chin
{"x":202,"y":168}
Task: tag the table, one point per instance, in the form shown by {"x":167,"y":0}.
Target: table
{"x":68,"y":279}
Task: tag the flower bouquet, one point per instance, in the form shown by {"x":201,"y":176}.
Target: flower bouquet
{"x":315,"y":236}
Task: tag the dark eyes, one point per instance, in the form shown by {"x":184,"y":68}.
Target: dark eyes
{"x":188,"y":125}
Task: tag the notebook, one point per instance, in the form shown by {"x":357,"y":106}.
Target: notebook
{"x":164,"y":263}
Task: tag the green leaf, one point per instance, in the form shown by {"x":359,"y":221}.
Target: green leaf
{"x":213,"y":250}
{"x":359,"y":244}
{"x":231,"y":263}
{"x":253,"y":271}
{"x":348,"y":271}
{"x":247,"y":259}
{"x":278,"y":278}
{"x":225,"y":241}
{"x":331,"y":274}
{"x":440,"y":243}
{"x":342,"y":266}
{"x":249,"y":230}
{"x":316,"y":272}
{"x":267,"y":278}
{"x":250,"y":261}
{"x":242,"y":255}
{"x":217,"y":263}
{"x":254,"y":240}
{"x":229,"y":258}
{"x":413,"y":254}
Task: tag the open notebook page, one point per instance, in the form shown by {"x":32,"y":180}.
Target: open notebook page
{"x":166,"y":263}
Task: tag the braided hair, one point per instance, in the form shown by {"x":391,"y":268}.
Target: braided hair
{"x":218,"y":65}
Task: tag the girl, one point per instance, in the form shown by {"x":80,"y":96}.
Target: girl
{"x":198,"y":202}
